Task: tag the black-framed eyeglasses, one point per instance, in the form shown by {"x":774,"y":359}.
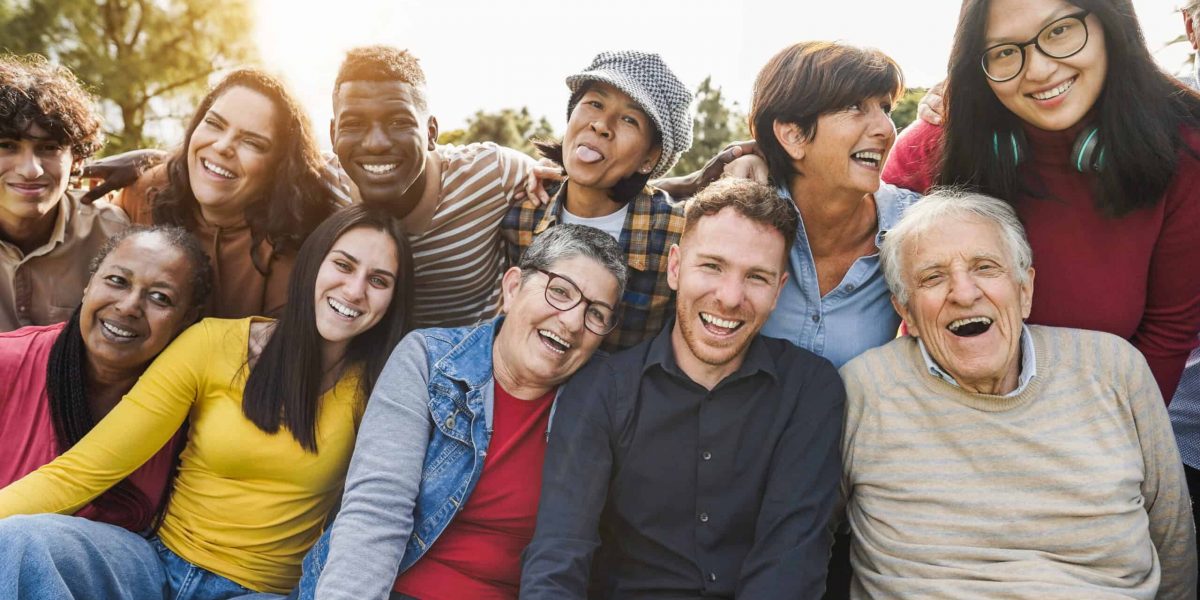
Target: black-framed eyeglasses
{"x":563,"y":294}
{"x":1063,"y":38}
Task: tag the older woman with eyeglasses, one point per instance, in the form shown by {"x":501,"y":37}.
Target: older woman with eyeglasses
{"x":1058,"y":108}
{"x":442,"y":493}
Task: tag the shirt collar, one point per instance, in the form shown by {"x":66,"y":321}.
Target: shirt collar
{"x":66,"y":209}
{"x":1028,"y":364}
{"x":662,"y":353}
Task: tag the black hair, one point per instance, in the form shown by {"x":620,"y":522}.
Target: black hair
{"x":35,"y":92}
{"x":382,"y":63}
{"x":67,"y":380}
{"x":1139,"y":114}
{"x":284,"y":386}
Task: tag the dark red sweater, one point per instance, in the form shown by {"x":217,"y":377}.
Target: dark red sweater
{"x":1137,"y":276}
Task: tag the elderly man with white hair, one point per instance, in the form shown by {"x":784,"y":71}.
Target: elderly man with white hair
{"x":986,"y":458}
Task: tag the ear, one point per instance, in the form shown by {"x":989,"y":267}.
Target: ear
{"x":1027,"y":295}
{"x":783,"y":279}
{"x":673,"y":259}
{"x":1189,"y":25}
{"x":332,"y":138}
{"x":791,"y":138}
{"x":433,"y":133}
{"x":651,"y":159}
{"x":906,"y":317}
{"x":510,"y":283}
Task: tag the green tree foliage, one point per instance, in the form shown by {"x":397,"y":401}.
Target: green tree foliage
{"x":140,"y":56}
{"x":714,"y":126}
{"x":508,"y":127}
{"x":905,"y":111}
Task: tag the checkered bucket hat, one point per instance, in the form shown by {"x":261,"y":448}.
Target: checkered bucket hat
{"x":651,"y":83}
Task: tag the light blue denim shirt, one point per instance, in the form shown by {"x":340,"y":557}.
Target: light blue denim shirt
{"x":1028,"y":364}
{"x":855,"y":316}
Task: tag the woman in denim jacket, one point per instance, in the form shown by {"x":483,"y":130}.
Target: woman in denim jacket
{"x":451,"y":446}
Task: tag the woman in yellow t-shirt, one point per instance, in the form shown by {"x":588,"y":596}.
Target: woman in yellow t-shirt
{"x":271,"y":409}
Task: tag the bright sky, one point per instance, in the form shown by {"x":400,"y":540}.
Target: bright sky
{"x":488,"y":54}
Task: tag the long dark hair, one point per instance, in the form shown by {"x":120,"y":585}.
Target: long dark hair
{"x":67,"y":381}
{"x":628,"y":187}
{"x":285,"y":384}
{"x":1139,"y":113}
{"x":297,"y":198}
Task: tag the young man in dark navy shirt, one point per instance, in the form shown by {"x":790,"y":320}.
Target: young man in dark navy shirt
{"x":703,"y":462}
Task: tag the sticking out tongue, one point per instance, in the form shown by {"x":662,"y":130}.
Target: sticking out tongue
{"x":587,"y":155}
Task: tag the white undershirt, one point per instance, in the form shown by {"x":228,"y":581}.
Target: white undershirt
{"x":610,"y":224}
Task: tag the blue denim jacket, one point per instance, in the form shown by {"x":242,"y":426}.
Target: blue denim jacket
{"x":460,"y":405}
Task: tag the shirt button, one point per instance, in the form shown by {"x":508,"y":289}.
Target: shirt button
{"x":850,"y":287}
{"x":816,"y":318}
{"x":712,"y":576}
{"x":703,"y":517}
{"x":450,"y":422}
{"x":706,"y":455}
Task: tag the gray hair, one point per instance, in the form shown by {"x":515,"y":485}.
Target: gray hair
{"x":567,"y":241}
{"x":933,"y":210}
{"x":1192,"y":7}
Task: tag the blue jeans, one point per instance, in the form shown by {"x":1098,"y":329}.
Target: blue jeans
{"x":56,"y":557}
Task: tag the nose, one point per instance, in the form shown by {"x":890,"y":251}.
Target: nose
{"x":730,"y":291}
{"x":963,"y":289}
{"x":28,"y":164}
{"x":601,"y":128}
{"x":573,"y":319}
{"x":223,"y":145}
{"x":376,"y":139}
{"x":355,"y":288}
{"x":882,"y":126}
{"x":1038,"y":66}
{"x":130,"y":303}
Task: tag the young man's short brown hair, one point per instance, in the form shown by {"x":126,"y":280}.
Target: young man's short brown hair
{"x":35,"y":92}
{"x":755,"y":201}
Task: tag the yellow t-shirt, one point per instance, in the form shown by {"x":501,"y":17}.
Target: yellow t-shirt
{"x":247,"y":504}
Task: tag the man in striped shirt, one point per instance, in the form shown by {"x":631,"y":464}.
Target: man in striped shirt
{"x":451,"y":198}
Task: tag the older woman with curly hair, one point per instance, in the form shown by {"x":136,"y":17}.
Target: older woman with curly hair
{"x":248,"y":182}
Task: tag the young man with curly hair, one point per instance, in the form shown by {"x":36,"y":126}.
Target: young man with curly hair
{"x":48,"y":126}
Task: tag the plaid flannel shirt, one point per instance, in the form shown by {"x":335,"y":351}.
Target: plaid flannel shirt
{"x":653,"y":224}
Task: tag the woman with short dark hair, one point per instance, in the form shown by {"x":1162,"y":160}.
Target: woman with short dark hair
{"x":820,"y":116}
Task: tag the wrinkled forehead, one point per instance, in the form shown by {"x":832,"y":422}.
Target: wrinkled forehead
{"x":586,"y":273}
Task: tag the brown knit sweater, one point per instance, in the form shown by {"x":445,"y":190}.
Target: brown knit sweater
{"x":1071,"y":489}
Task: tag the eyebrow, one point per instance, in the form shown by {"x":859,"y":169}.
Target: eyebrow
{"x":356,"y":261}
{"x":718,"y":259}
{"x":1063,"y":12}
{"x":631,"y":105}
{"x":250,"y":134}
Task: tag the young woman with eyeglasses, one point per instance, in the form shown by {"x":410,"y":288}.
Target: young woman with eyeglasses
{"x":1058,"y":108}
{"x":442,"y":493}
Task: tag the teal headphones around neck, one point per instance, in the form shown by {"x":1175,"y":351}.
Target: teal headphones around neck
{"x":1087,"y":154}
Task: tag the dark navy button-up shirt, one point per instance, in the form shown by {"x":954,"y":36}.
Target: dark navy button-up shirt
{"x":655,"y":487}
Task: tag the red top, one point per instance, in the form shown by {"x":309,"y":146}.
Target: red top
{"x":478,"y":556}
{"x":1137,"y":276}
{"x":27,"y":439}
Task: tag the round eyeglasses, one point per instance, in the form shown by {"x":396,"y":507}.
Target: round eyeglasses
{"x":1063,"y":38}
{"x":563,"y":294}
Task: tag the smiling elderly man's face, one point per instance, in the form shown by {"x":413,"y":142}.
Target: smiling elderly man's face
{"x":965,"y":302}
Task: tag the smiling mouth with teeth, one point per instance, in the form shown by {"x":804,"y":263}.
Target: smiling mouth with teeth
{"x":1056,"y":92}
{"x":117,"y":331}
{"x":218,"y":170}
{"x":970,"y":327}
{"x":554,"y":342}
{"x":718,"y":325}
{"x":868,"y":157}
{"x":379,"y":169}
{"x":344,"y":310}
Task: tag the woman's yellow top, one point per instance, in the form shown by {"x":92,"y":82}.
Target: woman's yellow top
{"x":247,"y":504}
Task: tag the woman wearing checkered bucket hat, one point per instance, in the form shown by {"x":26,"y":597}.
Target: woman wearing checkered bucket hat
{"x":628,"y":120}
